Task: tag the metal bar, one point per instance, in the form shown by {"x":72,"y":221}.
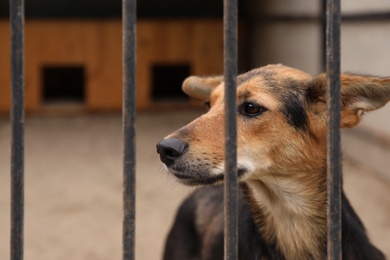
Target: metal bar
{"x":333,"y":129}
{"x":308,"y":18}
{"x":129,"y":120}
{"x":17,"y":119}
{"x":230,"y":186}
{"x":323,"y":24}
{"x":366,"y":17}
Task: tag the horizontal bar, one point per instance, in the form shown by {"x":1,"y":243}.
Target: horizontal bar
{"x":129,"y":120}
{"x":304,"y":18}
{"x":230,"y":186}
{"x":333,"y":129}
{"x":17,"y":122}
{"x":372,"y":136}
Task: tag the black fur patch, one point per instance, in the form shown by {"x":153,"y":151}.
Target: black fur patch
{"x":294,"y":111}
{"x":316,"y":90}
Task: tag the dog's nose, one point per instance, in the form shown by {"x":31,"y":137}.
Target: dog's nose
{"x":169,"y":149}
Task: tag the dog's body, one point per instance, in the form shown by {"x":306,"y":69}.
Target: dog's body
{"x":281,"y":166}
{"x":198,"y":231}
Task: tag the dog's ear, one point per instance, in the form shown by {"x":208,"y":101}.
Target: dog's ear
{"x":201,"y":87}
{"x":359,"y":94}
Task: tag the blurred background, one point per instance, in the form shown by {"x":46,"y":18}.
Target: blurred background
{"x":73,"y":98}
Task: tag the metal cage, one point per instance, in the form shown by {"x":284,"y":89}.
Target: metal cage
{"x":129,"y":119}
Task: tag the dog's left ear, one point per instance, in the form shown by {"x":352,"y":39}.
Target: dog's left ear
{"x":201,"y":87}
{"x":359,"y":94}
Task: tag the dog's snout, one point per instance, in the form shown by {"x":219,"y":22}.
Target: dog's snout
{"x":170,"y":149}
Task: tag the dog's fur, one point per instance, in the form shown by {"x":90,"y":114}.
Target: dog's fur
{"x":281,"y":160}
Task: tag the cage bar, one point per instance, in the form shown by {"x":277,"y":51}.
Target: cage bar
{"x":230,"y":73}
{"x":333,"y":22}
{"x":17,"y":122}
{"x":129,"y":120}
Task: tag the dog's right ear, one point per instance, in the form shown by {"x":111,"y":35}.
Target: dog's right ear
{"x":359,"y":94}
{"x":201,"y":87}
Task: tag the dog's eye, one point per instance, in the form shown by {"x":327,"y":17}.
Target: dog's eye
{"x":250,"y":109}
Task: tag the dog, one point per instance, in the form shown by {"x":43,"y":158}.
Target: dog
{"x":281,"y":161}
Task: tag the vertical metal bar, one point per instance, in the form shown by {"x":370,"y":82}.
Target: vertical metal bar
{"x":231,"y":186}
{"x":129,"y":119}
{"x":323,"y":22}
{"x":17,"y":119}
{"x":333,"y":129}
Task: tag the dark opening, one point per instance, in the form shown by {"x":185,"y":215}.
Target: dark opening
{"x":167,"y":80}
{"x":63,"y":84}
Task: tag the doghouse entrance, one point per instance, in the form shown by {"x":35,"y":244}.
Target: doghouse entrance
{"x":64,"y":84}
{"x":167,"y":80}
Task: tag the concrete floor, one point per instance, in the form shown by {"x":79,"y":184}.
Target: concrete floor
{"x":73,"y":188}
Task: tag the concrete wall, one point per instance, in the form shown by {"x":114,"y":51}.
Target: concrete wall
{"x":293,"y":43}
{"x":363,"y":6}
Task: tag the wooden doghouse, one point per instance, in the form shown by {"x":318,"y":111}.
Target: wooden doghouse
{"x":78,"y":63}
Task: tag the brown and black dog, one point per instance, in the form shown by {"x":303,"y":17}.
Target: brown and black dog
{"x":281,"y":126}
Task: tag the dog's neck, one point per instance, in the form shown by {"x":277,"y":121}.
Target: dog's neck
{"x":290,"y":212}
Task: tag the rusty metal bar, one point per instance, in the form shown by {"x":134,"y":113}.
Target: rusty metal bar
{"x":333,"y":129}
{"x":323,"y":24}
{"x":17,"y":121}
{"x":231,"y":186}
{"x":129,"y":119}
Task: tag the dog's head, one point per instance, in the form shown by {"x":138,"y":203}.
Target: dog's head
{"x":281,"y":124}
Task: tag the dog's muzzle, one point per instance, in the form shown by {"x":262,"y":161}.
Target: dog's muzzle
{"x":170,"y":149}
